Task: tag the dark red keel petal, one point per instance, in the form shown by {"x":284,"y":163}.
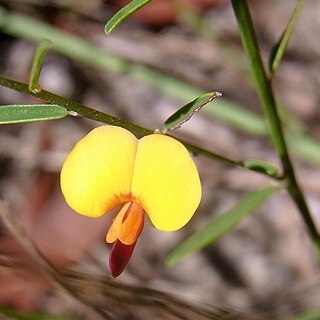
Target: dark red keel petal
{"x":119,"y":257}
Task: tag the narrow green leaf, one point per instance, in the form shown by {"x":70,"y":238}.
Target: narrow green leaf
{"x":78,"y":49}
{"x":33,"y":112}
{"x":261,"y":166}
{"x":278,"y":49}
{"x":185,"y":113}
{"x":308,"y":315}
{"x":124,"y":13}
{"x":221,"y":225}
{"x":37,"y":63}
{"x":270,"y":108}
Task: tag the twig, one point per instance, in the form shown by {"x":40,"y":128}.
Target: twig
{"x":93,"y":114}
{"x":264,"y":88}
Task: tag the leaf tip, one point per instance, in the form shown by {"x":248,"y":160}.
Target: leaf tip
{"x":216,"y":94}
{"x":107,"y":29}
{"x":170,"y":261}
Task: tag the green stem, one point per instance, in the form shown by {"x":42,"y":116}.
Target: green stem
{"x":84,"y":111}
{"x":266,"y":95}
{"x":78,"y":49}
{"x":37,"y":63}
{"x":283,"y":43}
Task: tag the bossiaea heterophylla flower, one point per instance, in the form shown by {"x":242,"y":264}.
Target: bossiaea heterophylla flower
{"x":154,"y":175}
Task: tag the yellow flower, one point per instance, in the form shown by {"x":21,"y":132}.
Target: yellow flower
{"x":153,"y":175}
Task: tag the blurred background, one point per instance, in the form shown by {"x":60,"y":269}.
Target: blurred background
{"x":160,"y":58}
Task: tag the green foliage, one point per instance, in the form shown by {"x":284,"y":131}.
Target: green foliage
{"x":185,"y":113}
{"x":84,"y":111}
{"x":124,"y":13}
{"x":284,"y":138}
{"x":279,"y":48}
{"x":37,"y":63}
{"x":261,"y":166}
{"x":83,"y":51}
{"x":270,"y":108}
{"x":28,"y":113}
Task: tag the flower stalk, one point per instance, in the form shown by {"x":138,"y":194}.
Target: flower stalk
{"x":265,"y":91}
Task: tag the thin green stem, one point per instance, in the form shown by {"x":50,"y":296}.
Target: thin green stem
{"x":76,"y":108}
{"x":84,"y":111}
{"x":279,"y":49}
{"x":81,"y":110}
{"x":266,"y":95}
{"x":78,"y":49}
{"x":124,"y":13}
{"x":37,"y":63}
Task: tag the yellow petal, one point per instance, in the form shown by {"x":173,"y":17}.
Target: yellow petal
{"x":97,"y":174}
{"x":166,"y":181}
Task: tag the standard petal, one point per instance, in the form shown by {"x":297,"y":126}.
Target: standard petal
{"x":97,"y":174}
{"x":166,"y":182}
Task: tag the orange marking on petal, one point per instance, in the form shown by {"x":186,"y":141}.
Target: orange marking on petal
{"x":132,"y":224}
{"x":114,"y":230}
{"x":128,"y":224}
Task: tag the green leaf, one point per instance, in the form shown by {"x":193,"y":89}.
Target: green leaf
{"x":124,"y":13}
{"x":278,"y":49}
{"x":185,"y":113}
{"x":261,"y":166}
{"x":37,"y":63}
{"x":78,"y":49}
{"x":75,"y":48}
{"x":221,"y":225}
{"x":33,"y":112}
{"x":308,"y":315}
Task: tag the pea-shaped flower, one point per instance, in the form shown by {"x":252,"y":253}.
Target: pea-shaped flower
{"x":154,"y":175}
